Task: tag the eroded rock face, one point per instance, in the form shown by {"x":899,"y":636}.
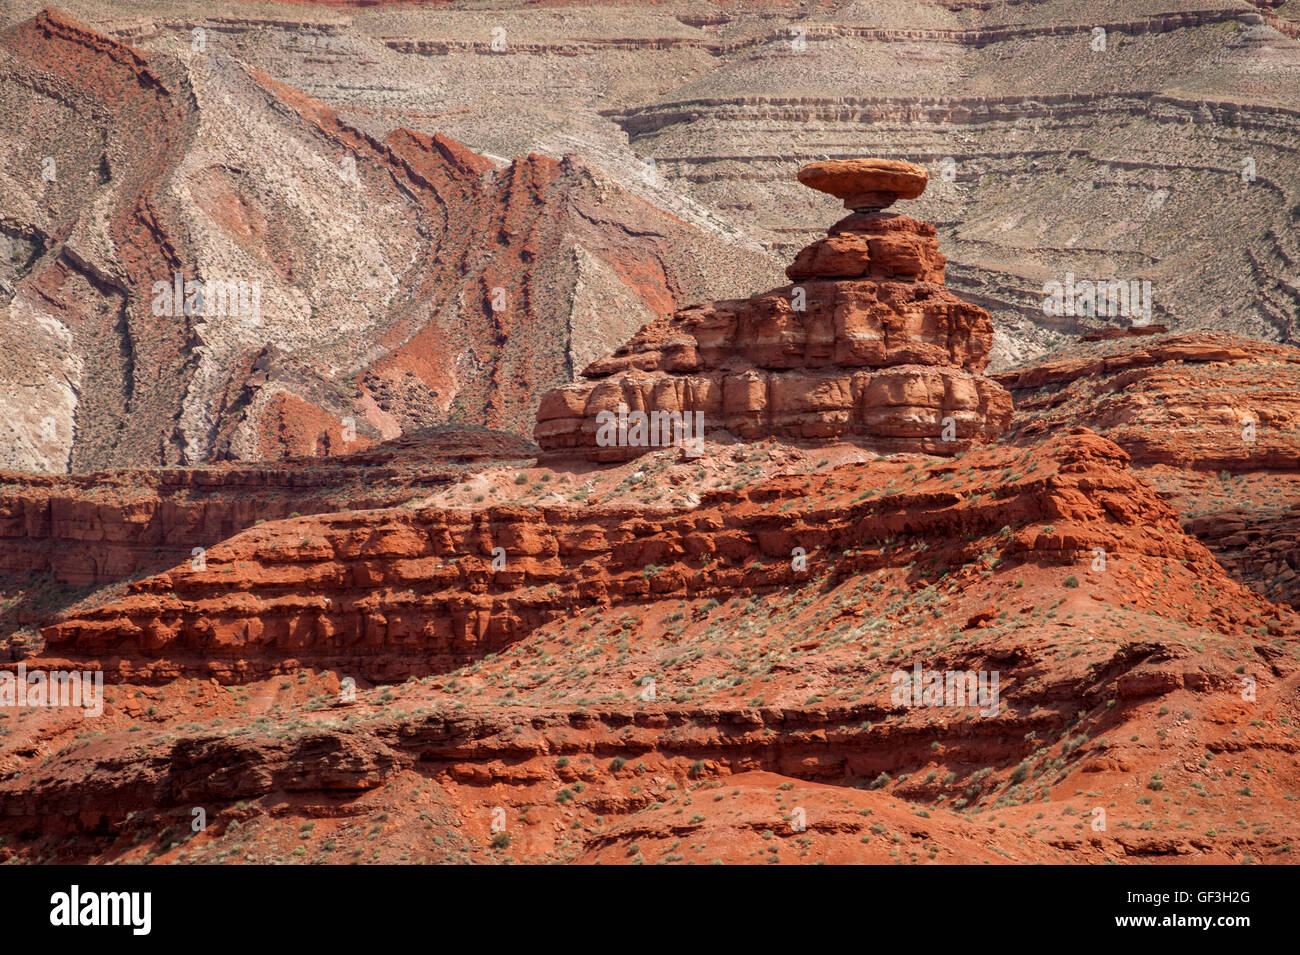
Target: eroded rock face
{"x":866,"y":345}
{"x":94,"y":529}
{"x":1199,"y":401}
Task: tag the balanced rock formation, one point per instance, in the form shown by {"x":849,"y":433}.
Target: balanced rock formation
{"x":867,"y":345}
{"x":866,"y":185}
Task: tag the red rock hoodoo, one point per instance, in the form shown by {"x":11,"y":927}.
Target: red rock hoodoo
{"x":867,"y":345}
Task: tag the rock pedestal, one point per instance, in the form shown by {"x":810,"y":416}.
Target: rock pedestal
{"x":865,"y":345}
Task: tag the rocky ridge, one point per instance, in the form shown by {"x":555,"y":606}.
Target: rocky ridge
{"x":394,"y":593}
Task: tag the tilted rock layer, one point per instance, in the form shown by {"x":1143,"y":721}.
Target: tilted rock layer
{"x":867,"y":345}
{"x":403,"y":280}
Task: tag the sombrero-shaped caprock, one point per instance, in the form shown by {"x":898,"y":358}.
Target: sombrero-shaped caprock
{"x":866,"y":184}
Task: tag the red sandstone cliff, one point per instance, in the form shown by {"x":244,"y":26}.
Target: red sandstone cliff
{"x":524,"y":685}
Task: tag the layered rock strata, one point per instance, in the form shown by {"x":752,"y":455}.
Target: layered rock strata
{"x":389,"y":594}
{"x":93,"y":529}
